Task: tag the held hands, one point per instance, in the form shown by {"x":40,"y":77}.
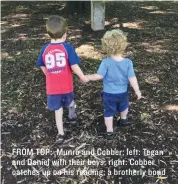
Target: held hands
{"x":84,"y":79}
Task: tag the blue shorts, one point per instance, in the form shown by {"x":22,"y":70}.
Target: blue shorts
{"x":55,"y":102}
{"x":114,"y":103}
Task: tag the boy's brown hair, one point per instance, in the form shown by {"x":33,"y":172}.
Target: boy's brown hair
{"x":56,"y":26}
{"x":114,"y":42}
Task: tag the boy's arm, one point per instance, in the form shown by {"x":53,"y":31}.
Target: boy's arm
{"x":76,"y":69}
{"x":133,"y":80}
{"x":73,"y":61}
{"x":43,"y":68}
{"x":40,"y":63}
{"x":94,"y":77}
{"x":134,"y":83}
{"x":102,"y":70}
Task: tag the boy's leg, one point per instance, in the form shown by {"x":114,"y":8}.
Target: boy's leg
{"x":123,"y":118}
{"x":122,"y":107}
{"x":72,"y":111}
{"x":59,"y":121}
{"x":109,"y":123}
{"x":109,"y":111}
{"x":68,"y":101}
{"x":124,"y":113}
{"x":55,"y":102}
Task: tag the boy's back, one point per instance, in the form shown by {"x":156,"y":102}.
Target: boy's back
{"x":116,"y":74}
{"x":57,"y":58}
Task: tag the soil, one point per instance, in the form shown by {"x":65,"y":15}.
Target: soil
{"x":27,"y":123}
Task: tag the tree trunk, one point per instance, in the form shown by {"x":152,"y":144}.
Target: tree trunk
{"x":79,"y":7}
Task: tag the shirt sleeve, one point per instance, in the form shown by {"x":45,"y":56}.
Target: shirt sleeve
{"x":72,"y":55}
{"x":40,"y":61}
{"x":102,"y":70}
{"x":131,"y":72}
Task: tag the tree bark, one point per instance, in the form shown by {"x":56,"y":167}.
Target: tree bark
{"x":79,"y":7}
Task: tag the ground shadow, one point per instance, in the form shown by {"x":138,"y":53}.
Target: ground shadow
{"x":26,"y":122}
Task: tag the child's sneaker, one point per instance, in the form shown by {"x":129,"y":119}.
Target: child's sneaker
{"x":123,"y":122}
{"x":59,"y":139}
{"x":73,"y":120}
{"x":110,"y":135}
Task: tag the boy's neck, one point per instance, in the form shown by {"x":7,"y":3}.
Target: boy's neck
{"x":57,"y":40}
{"x":117,"y":57}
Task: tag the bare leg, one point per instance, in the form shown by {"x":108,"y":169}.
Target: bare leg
{"x":109,"y":123}
{"x":124,"y":114}
{"x":123,"y":120}
{"x":59,"y":121}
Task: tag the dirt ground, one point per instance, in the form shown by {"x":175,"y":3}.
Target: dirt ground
{"x":152,"y":29}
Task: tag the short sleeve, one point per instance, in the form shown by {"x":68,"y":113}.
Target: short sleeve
{"x":40,"y":61}
{"x":72,"y":55}
{"x":102,"y":70}
{"x":131,"y":72}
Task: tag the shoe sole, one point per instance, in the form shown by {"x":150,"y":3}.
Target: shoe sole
{"x":110,"y":136}
{"x":72,"y":121}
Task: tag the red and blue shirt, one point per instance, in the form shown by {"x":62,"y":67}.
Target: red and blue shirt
{"x":58,"y":59}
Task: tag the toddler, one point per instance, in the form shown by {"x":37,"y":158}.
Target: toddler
{"x":116,"y":72}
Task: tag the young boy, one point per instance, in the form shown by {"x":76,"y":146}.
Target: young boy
{"x":57,"y":60}
{"x":116,"y":72}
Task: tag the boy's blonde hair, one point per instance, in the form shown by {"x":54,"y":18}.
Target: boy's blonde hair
{"x":114,"y":42}
{"x":56,"y":26}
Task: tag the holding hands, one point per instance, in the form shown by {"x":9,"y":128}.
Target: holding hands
{"x":84,"y":79}
{"x":92,"y":77}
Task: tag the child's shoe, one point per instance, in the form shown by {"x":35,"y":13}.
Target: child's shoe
{"x":123,"y":122}
{"x":73,"y":120}
{"x":60,"y":139}
{"x":110,"y":135}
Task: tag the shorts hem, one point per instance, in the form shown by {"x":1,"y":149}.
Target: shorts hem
{"x":108,"y":116}
{"x":54,"y":109}
{"x":55,"y":102}
{"x":124,"y":109}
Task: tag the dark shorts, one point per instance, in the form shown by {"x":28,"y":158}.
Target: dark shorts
{"x":114,"y":103}
{"x":55,"y":102}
